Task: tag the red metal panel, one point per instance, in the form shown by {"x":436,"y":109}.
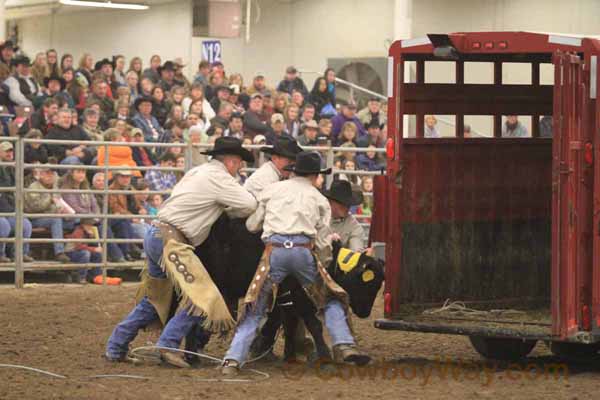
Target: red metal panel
{"x":568,"y":259}
{"x":431,"y":180}
{"x":393,"y":249}
{"x":447,"y":180}
{"x":595,"y":127}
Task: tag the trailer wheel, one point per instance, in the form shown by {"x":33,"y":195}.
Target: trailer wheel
{"x":574,"y":350}
{"x":502,"y":348}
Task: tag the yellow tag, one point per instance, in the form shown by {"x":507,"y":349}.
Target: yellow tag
{"x":368,"y":275}
{"x":347,"y":259}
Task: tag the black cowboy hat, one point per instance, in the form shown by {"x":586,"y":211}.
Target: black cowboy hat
{"x":21,"y":60}
{"x":230,"y":145}
{"x":167,"y":66}
{"x":308,"y":163}
{"x":60,"y":79}
{"x":284,"y":146}
{"x":341,"y":191}
{"x":10,"y":44}
{"x":105,"y":61}
{"x":142,"y":99}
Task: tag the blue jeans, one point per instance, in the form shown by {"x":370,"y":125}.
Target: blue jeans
{"x":7,"y":226}
{"x":296,"y":261}
{"x":122,"y":229}
{"x":143,"y":313}
{"x":113,"y":249}
{"x":84,"y":257}
{"x":56,"y":230}
{"x":139,"y":229}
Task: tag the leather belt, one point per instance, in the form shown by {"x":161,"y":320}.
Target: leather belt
{"x":288,"y":244}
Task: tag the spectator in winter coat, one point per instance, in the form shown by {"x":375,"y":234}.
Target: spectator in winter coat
{"x":374,"y":136}
{"x":142,"y":156}
{"x":253,"y":124}
{"x":91,"y":119}
{"x":292,"y":122}
{"x":292,"y":81}
{"x":430,"y":130}
{"x":512,"y":127}
{"x":22,"y":86}
{"x":259,"y":86}
{"x":84,"y":253}
{"x":144,"y":119}
{"x":65,"y":130}
{"x":100,"y":95}
{"x":117,"y":155}
{"x":42,"y":118}
{"x":368,"y":161}
{"x":46,"y":203}
{"x":329,"y":76}
{"x":320,"y":96}
{"x":347,"y":114}
{"x":309,"y":134}
{"x":118,"y":205}
{"x":35,"y":153}
{"x":372,"y":113}
{"x":152,"y":72}
{"x":7,"y":204}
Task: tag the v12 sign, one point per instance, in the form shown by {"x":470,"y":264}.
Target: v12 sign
{"x":211,"y":51}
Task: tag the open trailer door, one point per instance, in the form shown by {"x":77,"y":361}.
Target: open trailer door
{"x":568,"y":306}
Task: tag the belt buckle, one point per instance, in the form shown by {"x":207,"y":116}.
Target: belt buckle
{"x":288,"y":244}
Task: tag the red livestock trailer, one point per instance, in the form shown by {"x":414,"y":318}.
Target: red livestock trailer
{"x":507,"y":226}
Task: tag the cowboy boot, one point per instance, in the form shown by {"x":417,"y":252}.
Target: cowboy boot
{"x":124,"y":359}
{"x":230,"y":368}
{"x":347,"y":353}
{"x":174,"y":359}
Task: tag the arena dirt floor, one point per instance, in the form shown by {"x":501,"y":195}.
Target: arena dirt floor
{"x":63,"y":329}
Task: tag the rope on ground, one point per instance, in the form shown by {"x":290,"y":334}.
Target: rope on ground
{"x":136,"y":353}
{"x":40,"y":371}
{"x":459,"y":308}
{"x":117,"y":376}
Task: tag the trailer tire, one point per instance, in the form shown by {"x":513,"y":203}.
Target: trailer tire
{"x":502,"y":348}
{"x":574,"y":350}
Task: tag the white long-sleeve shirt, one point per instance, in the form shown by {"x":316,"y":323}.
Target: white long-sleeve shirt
{"x":198,"y":200}
{"x":291,"y":207}
{"x":263,"y":177}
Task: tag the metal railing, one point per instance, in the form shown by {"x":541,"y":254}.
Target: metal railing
{"x":20,"y":191}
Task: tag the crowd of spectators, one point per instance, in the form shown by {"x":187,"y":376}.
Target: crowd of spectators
{"x":56,"y":98}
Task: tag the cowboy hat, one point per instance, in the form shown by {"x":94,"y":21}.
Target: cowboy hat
{"x":284,"y":146}
{"x":341,"y":191}
{"x":8,"y":44}
{"x":310,"y":124}
{"x":308,"y":163}
{"x":167,"y":66}
{"x":123,"y":172}
{"x":62,"y":82}
{"x":230,"y":145}
{"x":142,"y":99}
{"x":21,"y":60}
{"x":105,"y":61}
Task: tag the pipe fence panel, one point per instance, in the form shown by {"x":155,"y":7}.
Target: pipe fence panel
{"x":104,"y":216}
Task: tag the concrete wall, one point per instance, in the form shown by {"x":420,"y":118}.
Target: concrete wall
{"x":303,"y":33}
{"x":106,"y":33}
